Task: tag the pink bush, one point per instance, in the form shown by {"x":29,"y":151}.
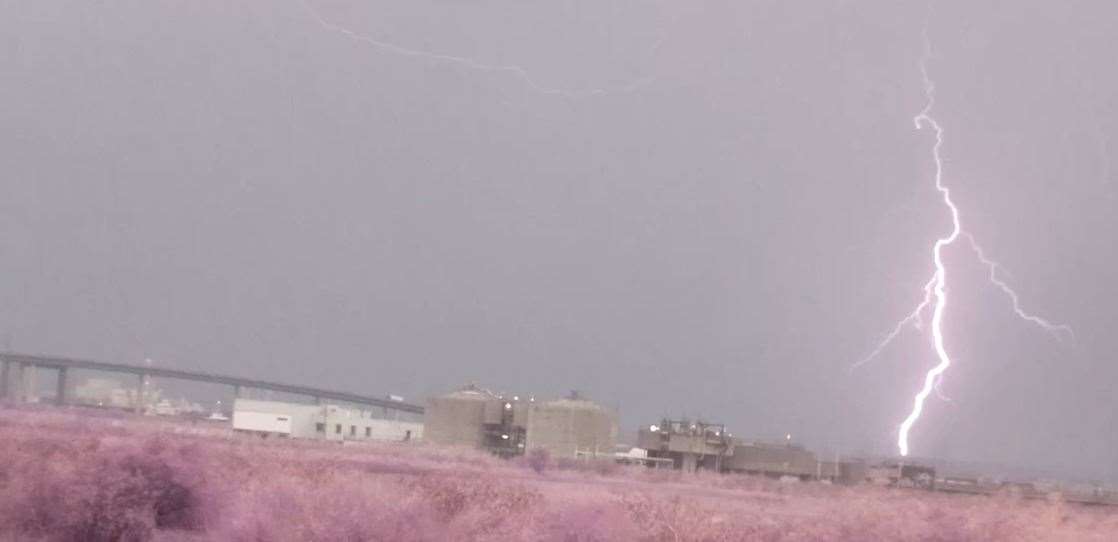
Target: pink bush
{"x":71,"y":475}
{"x":538,"y":459}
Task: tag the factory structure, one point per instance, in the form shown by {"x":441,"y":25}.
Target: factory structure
{"x":696,"y":445}
{"x":505,"y":425}
{"x":510,"y":425}
{"x":323,"y":422}
{"x":689,"y":445}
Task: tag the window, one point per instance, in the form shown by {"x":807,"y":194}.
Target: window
{"x":368,"y":432}
{"x":338,"y":429}
{"x":319,"y":428}
{"x":352,"y":430}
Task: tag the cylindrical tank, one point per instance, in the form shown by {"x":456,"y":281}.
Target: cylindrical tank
{"x":457,"y":418}
{"x":572,"y":428}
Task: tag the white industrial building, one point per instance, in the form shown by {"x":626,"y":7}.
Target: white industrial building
{"x":328,"y":422}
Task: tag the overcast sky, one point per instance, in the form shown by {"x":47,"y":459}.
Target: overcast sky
{"x":706,"y":209}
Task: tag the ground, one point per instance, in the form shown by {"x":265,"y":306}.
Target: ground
{"x":74,"y":474}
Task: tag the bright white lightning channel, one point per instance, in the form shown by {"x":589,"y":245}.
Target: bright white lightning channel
{"x":470,"y":64}
{"x":939,"y":279}
{"x":935,"y":290}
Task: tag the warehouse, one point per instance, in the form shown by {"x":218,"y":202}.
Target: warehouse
{"x":326,"y":422}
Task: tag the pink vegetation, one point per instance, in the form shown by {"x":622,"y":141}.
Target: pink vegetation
{"x":72,"y":475}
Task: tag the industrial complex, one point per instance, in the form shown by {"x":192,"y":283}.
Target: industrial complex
{"x":507,"y":425}
{"x":696,"y":445}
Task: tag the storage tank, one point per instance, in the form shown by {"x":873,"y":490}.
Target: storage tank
{"x":458,"y":418}
{"x":572,"y":428}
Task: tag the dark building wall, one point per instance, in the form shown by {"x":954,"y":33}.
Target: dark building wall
{"x":772,"y":459}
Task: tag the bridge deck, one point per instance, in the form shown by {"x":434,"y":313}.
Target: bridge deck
{"x":54,"y":362}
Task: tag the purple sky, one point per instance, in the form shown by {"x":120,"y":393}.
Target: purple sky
{"x":735,"y":220}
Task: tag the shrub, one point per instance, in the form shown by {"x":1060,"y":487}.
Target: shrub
{"x":538,"y":459}
{"x":67,"y":476}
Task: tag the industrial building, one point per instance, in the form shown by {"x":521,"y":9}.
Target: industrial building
{"x":784,"y":459}
{"x":900,"y":473}
{"x":695,"y":445}
{"x":325,"y":422}
{"x":846,"y":472}
{"x":509,"y":425}
{"x":691,"y":445}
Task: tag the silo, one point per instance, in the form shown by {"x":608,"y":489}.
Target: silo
{"x":572,"y":428}
{"x":457,"y":418}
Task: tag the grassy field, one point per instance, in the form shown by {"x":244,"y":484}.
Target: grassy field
{"x":69,"y":474}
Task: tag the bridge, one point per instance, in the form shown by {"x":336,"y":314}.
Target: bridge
{"x":21,"y":362}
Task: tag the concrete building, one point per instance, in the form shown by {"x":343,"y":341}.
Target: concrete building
{"x":846,"y":472}
{"x":571,"y":427}
{"x":775,"y":460}
{"x":326,"y":422}
{"x":691,"y":445}
{"x":694,"y":445}
{"x":896,"y":472}
{"x":459,"y":418}
{"x":511,"y":425}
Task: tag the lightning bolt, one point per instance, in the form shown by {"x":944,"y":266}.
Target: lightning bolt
{"x":1057,"y":330}
{"x":914,"y":318}
{"x":938,"y":283}
{"x":512,"y":70}
{"x":935,"y":290}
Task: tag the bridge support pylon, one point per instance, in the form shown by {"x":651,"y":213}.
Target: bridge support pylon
{"x":5,"y":370}
{"x":25,"y":385}
{"x":141,"y":388}
{"x":60,"y":389}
